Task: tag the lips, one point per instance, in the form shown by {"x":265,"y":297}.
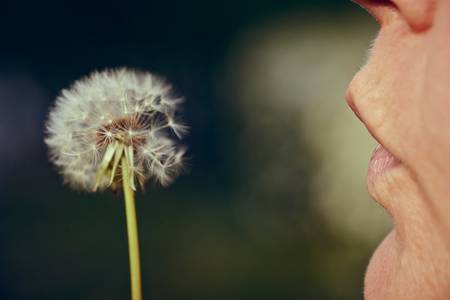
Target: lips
{"x":381,"y":161}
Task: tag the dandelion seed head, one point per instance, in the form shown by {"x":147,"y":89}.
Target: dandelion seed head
{"x":134,"y":108}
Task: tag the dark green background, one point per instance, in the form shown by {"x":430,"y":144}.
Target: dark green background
{"x":61,"y":244}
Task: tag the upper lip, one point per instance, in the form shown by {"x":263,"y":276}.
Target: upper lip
{"x":351,"y":103}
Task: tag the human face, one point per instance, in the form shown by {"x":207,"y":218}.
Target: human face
{"x":402,"y":95}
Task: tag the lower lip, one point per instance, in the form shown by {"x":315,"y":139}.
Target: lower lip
{"x":381,"y":161}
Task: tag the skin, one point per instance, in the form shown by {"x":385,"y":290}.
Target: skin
{"x":402,"y":95}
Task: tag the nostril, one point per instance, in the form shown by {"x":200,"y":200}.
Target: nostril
{"x":379,"y":9}
{"x":367,"y":3}
{"x":382,"y":2}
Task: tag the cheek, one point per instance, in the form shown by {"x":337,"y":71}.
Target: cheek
{"x":436,"y":102}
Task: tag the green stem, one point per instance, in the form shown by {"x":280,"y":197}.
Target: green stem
{"x":133,"y":242}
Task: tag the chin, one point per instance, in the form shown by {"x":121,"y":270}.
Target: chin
{"x":378,"y":283}
{"x":384,"y":275}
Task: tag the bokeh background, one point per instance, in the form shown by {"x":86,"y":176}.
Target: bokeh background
{"x":274,"y":205}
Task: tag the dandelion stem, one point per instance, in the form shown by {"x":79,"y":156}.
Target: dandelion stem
{"x":133,"y":242}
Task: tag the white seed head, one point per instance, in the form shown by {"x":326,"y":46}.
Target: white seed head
{"x":136,"y":109}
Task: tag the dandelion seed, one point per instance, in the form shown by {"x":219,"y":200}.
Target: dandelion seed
{"x":115,"y":127}
{"x":116,"y":105}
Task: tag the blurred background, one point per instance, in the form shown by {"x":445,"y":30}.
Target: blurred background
{"x":274,"y":205}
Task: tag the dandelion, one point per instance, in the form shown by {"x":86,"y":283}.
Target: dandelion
{"x":117,"y":128}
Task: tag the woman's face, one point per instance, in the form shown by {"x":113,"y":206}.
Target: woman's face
{"x":402,"y":95}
